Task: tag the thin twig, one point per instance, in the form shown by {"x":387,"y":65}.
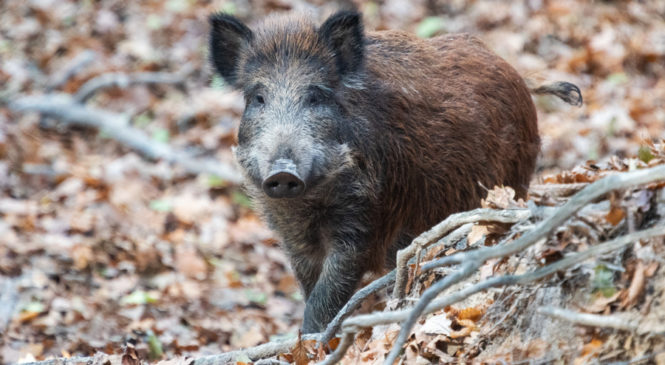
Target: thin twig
{"x":558,"y":190}
{"x":619,"y":322}
{"x":64,"y":108}
{"x":442,"y":229}
{"x":424,"y":300}
{"x":342,"y":348}
{"x":255,"y":353}
{"x":79,"y":62}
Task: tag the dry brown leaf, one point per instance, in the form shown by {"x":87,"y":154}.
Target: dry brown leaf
{"x":130,"y":356}
{"x":601,"y":303}
{"x":500,"y":197}
{"x":651,"y":269}
{"x":478,"y":231}
{"x":636,"y":286}
{"x":189,"y":263}
{"x":589,"y":350}
{"x":660,"y":359}
{"x":302,"y":349}
{"x":287,"y":284}
{"x":333,"y":343}
{"x":286,"y":357}
{"x":252,"y":337}
{"x":615,"y":215}
{"x":471,"y":313}
{"x":82,"y":256}
{"x":536,"y":349}
{"x":28,"y":316}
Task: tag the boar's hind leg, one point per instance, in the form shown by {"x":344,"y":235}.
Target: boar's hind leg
{"x":341,"y":273}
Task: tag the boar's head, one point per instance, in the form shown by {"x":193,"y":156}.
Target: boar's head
{"x":296,"y":131}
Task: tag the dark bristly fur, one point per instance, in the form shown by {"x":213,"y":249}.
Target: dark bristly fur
{"x":390,"y":133}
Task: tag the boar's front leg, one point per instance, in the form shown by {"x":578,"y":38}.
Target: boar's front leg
{"x":340,"y":275}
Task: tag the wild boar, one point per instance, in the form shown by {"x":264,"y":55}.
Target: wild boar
{"x":353,"y":143}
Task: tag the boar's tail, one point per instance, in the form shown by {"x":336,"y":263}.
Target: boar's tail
{"x":566,"y":91}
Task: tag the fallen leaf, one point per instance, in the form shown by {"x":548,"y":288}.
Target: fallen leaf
{"x":500,"y":197}
{"x":636,"y":286}
{"x":536,"y":349}
{"x":478,"y":231}
{"x":189,"y":263}
{"x":589,"y":350}
{"x":438,"y":325}
{"x":130,"y":356}
{"x":615,"y":215}
{"x":472,"y":313}
{"x":333,"y":343}
{"x":601,"y":302}
{"x":301,"y":350}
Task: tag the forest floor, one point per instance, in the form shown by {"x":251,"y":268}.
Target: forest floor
{"x":100,"y":246}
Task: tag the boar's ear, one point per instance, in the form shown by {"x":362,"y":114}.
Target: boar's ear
{"x":343,"y":32}
{"x":228,"y":36}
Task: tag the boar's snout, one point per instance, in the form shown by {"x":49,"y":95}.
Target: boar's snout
{"x":283,"y":180}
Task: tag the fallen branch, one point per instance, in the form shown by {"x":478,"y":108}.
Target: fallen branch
{"x":354,"y":324}
{"x":473,"y":259}
{"x":263,"y":351}
{"x":63,"y":361}
{"x":66,"y":109}
{"x":342,"y":348}
{"x":8,"y":300}
{"x":616,"y":321}
{"x":442,"y":229}
{"x":558,"y":190}
{"x":123,"y":80}
{"x":79,"y":62}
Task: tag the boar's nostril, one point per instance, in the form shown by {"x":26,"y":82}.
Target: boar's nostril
{"x":283,"y":184}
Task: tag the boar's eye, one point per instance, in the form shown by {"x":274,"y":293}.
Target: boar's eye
{"x":258,"y":98}
{"x":313,"y":99}
{"x":317,"y":96}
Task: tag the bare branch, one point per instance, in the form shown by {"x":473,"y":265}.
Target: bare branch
{"x":578,"y":201}
{"x":616,"y":321}
{"x":62,"y":361}
{"x":429,"y":295}
{"x":8,"y":301}
{"x":353,"y":324}
{"x":255,"y":353}
{"x":441,"y":230}
{"x":560,"y":190}
{"x":123,"y":80}
{"x":335,"y":357}
{"x":64,"y":108}
{"x":81,"y":61}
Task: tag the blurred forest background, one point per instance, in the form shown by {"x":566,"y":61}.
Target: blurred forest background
{"x":99,"y":244}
